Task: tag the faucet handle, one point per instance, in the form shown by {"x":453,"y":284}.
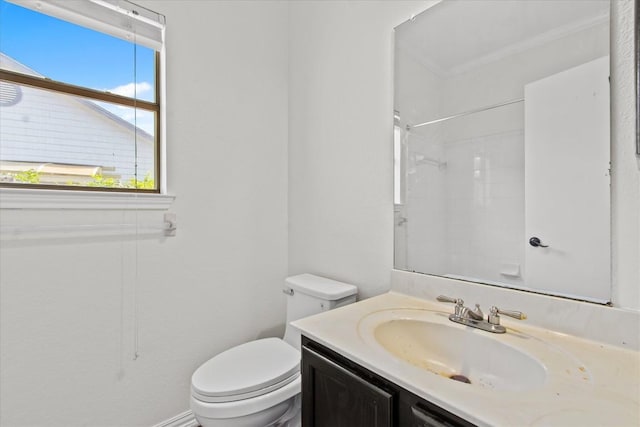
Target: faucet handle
{"x":444,"y":298}
{"x":494,"y":313}
{"x":460,"y":309}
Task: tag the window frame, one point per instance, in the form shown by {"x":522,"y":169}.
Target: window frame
{"x":157,"y":108}
{"x":69,"y":89}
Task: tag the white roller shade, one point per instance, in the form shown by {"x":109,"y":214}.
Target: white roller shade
{"x":118,"y":18}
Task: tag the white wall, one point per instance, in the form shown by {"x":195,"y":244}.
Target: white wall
{"x":67,"y":306}
{"x":340,"y":133}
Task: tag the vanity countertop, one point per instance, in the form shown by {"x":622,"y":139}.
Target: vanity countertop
{"x":600,"y":386}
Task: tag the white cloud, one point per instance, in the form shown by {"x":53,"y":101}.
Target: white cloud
{"x":142,"y":119}
{"x":132,"y":90}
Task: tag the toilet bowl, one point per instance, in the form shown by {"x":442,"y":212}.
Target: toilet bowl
{"x":253,"y":384}
{"x":257,"y":384}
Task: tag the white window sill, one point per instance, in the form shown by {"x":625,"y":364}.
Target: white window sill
{"x":18,"y":198}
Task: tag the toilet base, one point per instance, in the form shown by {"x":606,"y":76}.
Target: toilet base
{"x":284,"y":414}
{"x":293,"y":417}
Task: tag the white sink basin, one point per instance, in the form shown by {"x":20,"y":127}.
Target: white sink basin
{"x":458,"y":354}
{"x":429,"y":341}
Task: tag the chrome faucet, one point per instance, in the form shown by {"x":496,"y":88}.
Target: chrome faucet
{"x":475,"y":317}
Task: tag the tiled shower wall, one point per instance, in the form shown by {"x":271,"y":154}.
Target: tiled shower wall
{"x":477,"y":192}
{"x":427,"y":242}
{"x":485,"y":207}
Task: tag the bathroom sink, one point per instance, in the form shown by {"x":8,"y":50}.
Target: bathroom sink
{"x":460,"y":354}
{"x":429,"y":341}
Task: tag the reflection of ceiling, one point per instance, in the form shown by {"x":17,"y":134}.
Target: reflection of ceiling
{"x":439,"y":40}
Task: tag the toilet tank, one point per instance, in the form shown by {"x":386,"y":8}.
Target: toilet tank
{"x":308,"y":294}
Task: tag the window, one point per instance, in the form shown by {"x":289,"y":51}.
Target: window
{"x":80,"y":103}
{"x":399,"y":154}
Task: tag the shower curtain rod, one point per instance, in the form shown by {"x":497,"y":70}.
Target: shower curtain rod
{"x":466,"y":113}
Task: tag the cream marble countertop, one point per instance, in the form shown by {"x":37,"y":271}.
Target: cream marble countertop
{"x":587,"y":382}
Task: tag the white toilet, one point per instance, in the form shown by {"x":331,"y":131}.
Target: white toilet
{"x":257,"y":384}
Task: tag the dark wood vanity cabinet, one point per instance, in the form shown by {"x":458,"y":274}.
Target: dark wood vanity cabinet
{"x":339,"y":393}
{"x":335,"y":396}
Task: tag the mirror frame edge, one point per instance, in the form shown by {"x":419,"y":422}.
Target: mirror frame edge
{"x":637,"y":73}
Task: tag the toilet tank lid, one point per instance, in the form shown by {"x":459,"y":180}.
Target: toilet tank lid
{"x":320,"y":287}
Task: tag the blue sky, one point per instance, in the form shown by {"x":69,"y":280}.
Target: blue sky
{"x":73,"y":54}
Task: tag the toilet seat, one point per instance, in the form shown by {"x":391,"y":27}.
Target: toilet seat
{"x":248,"y":370}
{"x":240,"y":408}
{"x":243,"y":396}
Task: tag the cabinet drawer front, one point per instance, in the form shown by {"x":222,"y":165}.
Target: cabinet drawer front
{"x":336,"y":397}
{"x":422,"y":417}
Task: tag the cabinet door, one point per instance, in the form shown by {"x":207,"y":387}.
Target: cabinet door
{"x":333,"y":396}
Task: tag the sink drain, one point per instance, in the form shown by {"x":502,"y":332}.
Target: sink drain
{"x":460,"y":378}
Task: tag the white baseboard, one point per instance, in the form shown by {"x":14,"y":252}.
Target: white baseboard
{"x":186,"y":419}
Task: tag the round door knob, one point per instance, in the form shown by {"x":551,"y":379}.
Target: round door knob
{"x":535,"y":242}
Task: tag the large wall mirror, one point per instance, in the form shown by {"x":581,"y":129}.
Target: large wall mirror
{"x":502,"y":145}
